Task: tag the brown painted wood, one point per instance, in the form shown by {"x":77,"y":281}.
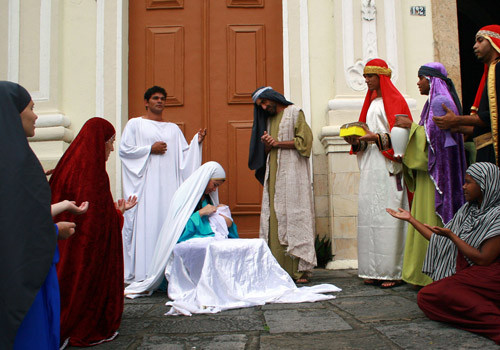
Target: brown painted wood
{"x":210,"y":56}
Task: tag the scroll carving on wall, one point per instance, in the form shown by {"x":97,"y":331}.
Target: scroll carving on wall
{"x":353,"y":68}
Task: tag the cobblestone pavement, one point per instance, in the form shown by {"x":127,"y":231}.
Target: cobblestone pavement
{"x":361,"y":317}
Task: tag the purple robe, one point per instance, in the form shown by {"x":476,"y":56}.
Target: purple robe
{"x":446,"y":150}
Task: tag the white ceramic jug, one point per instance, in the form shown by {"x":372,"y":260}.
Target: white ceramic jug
{"x":399,"y":139}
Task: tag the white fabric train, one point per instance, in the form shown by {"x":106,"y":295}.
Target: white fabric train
{"x":209,"y":275}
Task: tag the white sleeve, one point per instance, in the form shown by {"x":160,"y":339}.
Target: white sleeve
{"x":190,"y":157}
{"x":134,"y":157}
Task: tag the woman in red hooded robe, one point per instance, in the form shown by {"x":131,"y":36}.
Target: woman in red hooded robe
{"x":90,"y":268}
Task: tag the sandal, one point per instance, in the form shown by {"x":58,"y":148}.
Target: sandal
{"x":391,"y":284}
{"x":302,"y":280}
{"x":372,"y":282}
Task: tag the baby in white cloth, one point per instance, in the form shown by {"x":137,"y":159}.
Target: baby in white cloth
{"x":218,"y":222}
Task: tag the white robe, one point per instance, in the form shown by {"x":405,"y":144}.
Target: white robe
{"x":381,"y":238}
{"x":153,"y":178}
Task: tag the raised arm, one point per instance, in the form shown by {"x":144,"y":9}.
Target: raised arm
{"x":65,"y":205}
{"x":405,"y":215}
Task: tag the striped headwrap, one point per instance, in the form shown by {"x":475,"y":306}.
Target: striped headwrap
{"x":472,"y":223}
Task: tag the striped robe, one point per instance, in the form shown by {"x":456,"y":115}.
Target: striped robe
{"x":472,"y":223}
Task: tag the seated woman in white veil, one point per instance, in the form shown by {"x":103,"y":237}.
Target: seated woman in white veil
{"x":207,"y":273}
{"x":210,"y":220}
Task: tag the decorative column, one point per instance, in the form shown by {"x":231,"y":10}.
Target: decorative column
{"x":32,"y":60}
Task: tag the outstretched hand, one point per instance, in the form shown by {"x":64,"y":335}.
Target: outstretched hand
{"x":70,"y":206}
{"x":77,"y":210}
{"x":124,"y":205}
{"x":401,"y":214}
{"x":447,"y":121}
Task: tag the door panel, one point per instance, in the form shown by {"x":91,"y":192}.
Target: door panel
{"x":165,"y":61}
{"x":210,"y":56}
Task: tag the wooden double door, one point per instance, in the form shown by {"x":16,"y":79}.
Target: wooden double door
{"x":210,"y":55}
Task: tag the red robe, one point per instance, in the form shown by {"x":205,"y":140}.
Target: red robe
{"x":469,"y":300}
{"x":90,"y":269}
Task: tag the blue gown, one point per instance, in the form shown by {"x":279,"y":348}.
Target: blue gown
{"x":199,"y":226}
{"x":40,"y":327}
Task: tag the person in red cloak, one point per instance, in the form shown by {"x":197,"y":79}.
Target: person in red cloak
{"x":90,"y":268}
{"x":381,"y":239}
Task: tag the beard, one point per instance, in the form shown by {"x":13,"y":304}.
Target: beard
{"x":271,"y":110}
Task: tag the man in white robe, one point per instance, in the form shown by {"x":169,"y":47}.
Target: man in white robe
{"x":156,"y":160}
{"x":381,"y":239}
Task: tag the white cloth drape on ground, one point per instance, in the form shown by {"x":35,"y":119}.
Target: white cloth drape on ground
{"x":153,"y":178}
{"x":209,"y":275}
{"x":293,"y":202}
{"x":381,"y":238}
{"x":182,"y":206}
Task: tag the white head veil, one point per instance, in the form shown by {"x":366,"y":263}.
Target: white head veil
{"x":182,"y":206}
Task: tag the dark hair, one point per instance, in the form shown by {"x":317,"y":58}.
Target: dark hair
{"x":153,"y":90}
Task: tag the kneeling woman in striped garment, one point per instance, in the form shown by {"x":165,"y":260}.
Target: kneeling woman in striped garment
{"x":463,"y":258}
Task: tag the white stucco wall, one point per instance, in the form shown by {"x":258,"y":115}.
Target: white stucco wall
{"x":77,"y":50}
{"x":418,"y":46}
{"x":72,"y":58}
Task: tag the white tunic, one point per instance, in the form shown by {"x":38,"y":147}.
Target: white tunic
{"x":381,"y":238}
{"x":153,"y":178}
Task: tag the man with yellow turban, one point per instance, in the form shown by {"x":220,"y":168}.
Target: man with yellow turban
{"x":381,"y":238}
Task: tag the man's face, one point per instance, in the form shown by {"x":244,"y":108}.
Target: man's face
{"x":267,"y":105}
{"x":483,"y":49}
{"x":423,"y":85}
{"x":372,"y":81}
{"x":156,"y":103}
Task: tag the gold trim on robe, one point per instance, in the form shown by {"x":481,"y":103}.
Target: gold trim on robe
{"x":492,"y":99}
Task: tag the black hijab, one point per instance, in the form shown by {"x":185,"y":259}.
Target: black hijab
{"x":257,"y":154}
{"x":27,"y":233}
